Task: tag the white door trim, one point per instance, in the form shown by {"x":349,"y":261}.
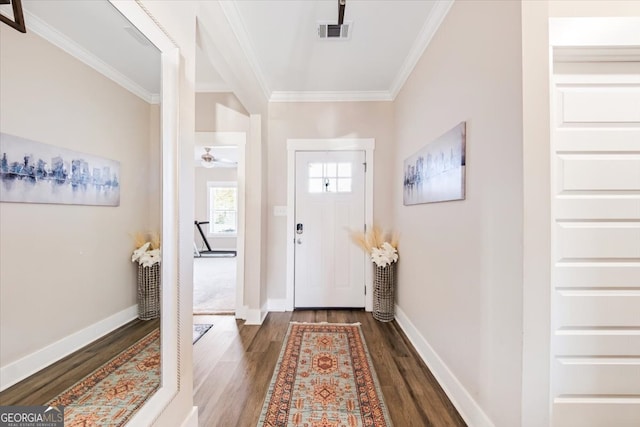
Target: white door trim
{"x":333,"y":144}
{"x":562,"y":32}
{"x":237,"y":139}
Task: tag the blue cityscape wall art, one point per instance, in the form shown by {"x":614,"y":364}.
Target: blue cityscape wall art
{"x":33,"y":172}
{"x":436,"y":173}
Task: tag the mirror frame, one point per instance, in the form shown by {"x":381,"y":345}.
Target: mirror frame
{"x":169,"y":314}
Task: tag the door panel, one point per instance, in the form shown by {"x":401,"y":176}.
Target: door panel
{"x":599,"y":104}
{"x":598,"y":240}
{"x":597,"y":412}
{"x":596,"y":254}
{"x":600,"y":376}
{"x":595,"y":172}
{"x":330,"y":201}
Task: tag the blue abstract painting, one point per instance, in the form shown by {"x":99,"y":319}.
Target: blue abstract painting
{"x":436,"y":173}
{"x":33,"y":172}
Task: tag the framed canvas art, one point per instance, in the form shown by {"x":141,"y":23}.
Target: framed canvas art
{"x":436,"y":173}
{"x":33,"y":172}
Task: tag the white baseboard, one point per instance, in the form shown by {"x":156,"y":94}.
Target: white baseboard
{"x":468,"y":408}
{"x":16,"y":371}
{"x":277,"y":304}
{"x":241,"y":312}
{"x":192,"y":418}
{"x":255,"y":316}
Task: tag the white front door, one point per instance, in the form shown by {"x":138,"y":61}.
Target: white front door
{"x":596,"y":245}
{"x":329,"y":201}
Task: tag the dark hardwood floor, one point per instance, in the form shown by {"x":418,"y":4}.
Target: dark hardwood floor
{"x":233,"y":365}
{"x":48,"y":383}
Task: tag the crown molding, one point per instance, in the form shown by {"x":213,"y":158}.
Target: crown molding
{"x":239,"y":29}
{"x":53,"y":36}
{"x":330,"y":96}
{"x":433,"y":22}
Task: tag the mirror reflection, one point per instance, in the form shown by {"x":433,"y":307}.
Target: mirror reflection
{"x":73,"y":293}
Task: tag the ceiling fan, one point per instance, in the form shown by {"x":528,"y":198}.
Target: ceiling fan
{"x":209,"y":161}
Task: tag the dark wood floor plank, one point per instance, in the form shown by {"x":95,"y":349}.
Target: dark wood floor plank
{"x":48,"y":383}
{"x":234,"y":389}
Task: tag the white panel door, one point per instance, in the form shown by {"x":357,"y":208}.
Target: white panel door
{"x":595,"y":367}
{"x":329,"y":201}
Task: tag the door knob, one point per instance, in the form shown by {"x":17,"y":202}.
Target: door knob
{"x":299,"y":241}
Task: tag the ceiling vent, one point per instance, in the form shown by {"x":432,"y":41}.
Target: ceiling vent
{"x":329,"y":30}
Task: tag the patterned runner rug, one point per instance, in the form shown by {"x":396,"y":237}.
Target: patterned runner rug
{"x":324,"y":378}
{"x":110,"y":395}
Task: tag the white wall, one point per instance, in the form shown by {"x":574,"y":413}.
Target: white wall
{"x":460,"y":270}
{"x":64,"y":268}
{"x":322,"y":120}
{"x":220,"y":112}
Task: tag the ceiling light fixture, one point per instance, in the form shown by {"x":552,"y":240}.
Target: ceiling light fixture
{"x":207,"y":159}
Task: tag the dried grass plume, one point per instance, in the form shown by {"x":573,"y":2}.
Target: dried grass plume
{"x":140,"y":238}
{"x":374,"y":237}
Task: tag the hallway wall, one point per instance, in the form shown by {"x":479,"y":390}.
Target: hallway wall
{"x":322,"y":120}
{"x":54,"y":257}
{"x":460,"y":269}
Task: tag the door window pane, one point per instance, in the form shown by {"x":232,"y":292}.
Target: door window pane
{"x":344,"y":170}
{"x":330,"y":177}
{"x":331,"y":185}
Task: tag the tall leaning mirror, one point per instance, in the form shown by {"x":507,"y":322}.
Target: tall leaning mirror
{"x":88,"y":135}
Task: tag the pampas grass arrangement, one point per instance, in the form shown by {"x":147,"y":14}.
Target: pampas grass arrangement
{"x":147,"y":248}
{"x":152,"y":237}
{"x":381,"y":246}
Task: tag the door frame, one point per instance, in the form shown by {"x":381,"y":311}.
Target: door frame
{"x":238,"y":140}
{"x":327,"y":144}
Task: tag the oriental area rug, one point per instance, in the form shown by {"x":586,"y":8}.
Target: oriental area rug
{"x":110,"y":395}
{"x":324,"y":378}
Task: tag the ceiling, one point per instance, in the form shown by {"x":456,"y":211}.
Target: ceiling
{"x":281,"y":39}
{"x":96,"y":33}
{"x":278,"y":37}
